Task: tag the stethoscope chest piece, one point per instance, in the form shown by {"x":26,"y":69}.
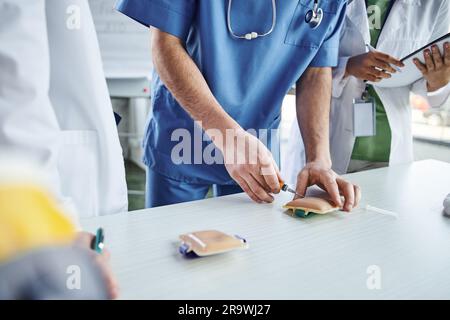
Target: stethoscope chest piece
{"x":314,"y":18}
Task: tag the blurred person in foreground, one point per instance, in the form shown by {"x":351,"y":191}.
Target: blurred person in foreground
{"x":41,"y":254}
{"x":55,"y":106}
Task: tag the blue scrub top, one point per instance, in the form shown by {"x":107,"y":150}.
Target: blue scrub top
{"x":249,"y":78}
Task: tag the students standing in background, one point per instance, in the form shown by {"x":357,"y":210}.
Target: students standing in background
{"x":395,"y":29}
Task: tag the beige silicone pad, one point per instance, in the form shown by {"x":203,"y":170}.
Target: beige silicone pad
{"x":312,"y":204}
{"x":209,"y":242}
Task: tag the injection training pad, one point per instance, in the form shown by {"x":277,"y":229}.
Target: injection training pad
{"x":303,"y":207}
{"x":210,"y":242}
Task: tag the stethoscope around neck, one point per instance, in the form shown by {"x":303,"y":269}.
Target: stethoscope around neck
{"x":313,"y":18}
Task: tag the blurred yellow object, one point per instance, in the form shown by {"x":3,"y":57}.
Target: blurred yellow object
{"x":29,"y":218}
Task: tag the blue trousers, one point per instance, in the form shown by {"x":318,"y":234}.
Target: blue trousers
{"x":162,"y":191}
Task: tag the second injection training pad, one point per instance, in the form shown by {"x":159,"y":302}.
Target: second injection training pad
{"x":209,"y":242}
{"x":303,"y":207}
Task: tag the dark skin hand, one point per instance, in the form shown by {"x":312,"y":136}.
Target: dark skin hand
{"x":436,"y":69}
{"x":372,"y":66}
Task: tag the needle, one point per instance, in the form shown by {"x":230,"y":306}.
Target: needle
{"x":286,"y":188}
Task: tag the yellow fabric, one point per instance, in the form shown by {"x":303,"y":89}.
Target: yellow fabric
{"x":30,"y":219}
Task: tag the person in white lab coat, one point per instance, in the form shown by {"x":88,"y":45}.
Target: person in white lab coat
{"x":409,"y":25}
{"x":54,"y":103}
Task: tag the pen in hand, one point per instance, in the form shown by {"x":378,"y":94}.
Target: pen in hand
{"x":372,"y":49}
{"x":97,"y":243}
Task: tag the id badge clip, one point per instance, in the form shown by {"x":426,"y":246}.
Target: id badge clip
{"x":364,"y":116}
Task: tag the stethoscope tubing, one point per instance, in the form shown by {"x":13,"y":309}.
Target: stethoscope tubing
{"x":314,"y":23}
{"x":274,"y":21}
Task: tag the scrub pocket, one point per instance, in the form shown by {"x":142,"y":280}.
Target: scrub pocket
{"x":77,"y":165}
{"x":300,"y":33}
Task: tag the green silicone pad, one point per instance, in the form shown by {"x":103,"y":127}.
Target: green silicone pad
{"x":301,"y":213}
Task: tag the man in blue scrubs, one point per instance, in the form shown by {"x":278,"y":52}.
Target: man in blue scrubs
{"x":232,"y":87}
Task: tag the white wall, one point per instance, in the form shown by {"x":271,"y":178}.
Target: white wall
{"x":124,"y":43}
{"x":125,"y":50}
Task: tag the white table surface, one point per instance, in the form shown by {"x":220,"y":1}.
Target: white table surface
{"x":290,"y":258}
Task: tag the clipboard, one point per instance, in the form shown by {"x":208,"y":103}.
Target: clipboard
{"x":410,"y":73}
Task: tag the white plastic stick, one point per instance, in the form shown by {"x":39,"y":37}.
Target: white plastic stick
{"x":382,"y":211}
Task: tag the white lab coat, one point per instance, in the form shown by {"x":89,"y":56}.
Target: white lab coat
{"x":427,"y":21}
{"x":54,"y":103}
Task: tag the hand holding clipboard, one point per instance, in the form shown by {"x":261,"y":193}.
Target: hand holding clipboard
{"x":411,"y":73}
